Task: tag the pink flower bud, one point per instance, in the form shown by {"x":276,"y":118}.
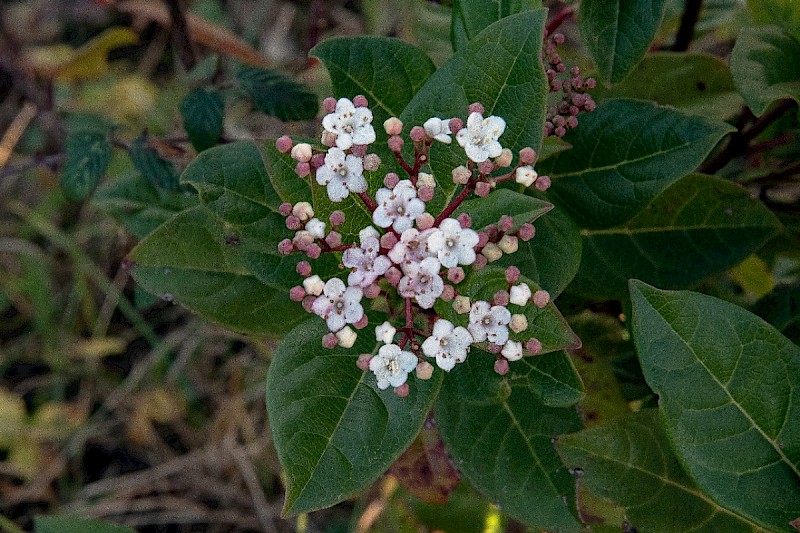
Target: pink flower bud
{"x":512,"y":274}
{"x":372,"y":162}
{"x":418,"y":134}
{"x":297,"y":293}
{"x":526,"y":232}
{"x":572,"y":122}
{"x":500,"y":298}
{"x":527,"y":155}
{"x":506,"y":223}
{"x":492,"y":231}
{"x":402,"y":391}
{"x":388,"y":240}
{"x":448,"y":293}
{"x":359,"y":150}
{"x":465,"y":220}
{"x":285,"y":209}
{"x":486,"y":167}
{"x":293,"y":223}
{"x":285,"y":247}
{"x":396,"y":143}
{"x":425,"y":193}
{"x":360,"y":101}
{"x":302,"y":152}
{"x":589,"y":105}
{"x":372,"y":291}
{"x":560,"y":131}
{"x":284,"y":144}
{"x":424,"y":370}
{"x":313,"y":251}
{"x":558,"y":38}
{"x":363,"y":361}
{"x":591,"y":83}
{"x":477,"y":107}
{"x":317,"y":160}
{"x":455,"y":125}
{"x":302,"y":169}
{"x":308,"y":303}
{"x":482,"y":189}
{"x":533,"y":346}
{"x":393,"y":126}
{"x":330,"y":341}
{"x":542,"y":183}
{"x":504,"y":159}
{"x":480,"y":262}
{"x":501,"y":367}
{"x":303,"y":268}
{"x":329,"y":105}
{"x":337,"y":218}
{"x":483,"y":238}
{"x":393,"y":276}
{"x":461,"y":175}
{"x":390,"y":180}
{"x":541,"y":298}
{"x":455,"y":274}
{"x":328,"y":138}
{"x":494,"y":348}
{"x":424,"y":221}
{"x":362,"y":322}
{"x":334,"y":239}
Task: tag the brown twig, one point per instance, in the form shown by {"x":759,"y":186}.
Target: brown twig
{"x":180,"y":33}
{"x":691,"y":14}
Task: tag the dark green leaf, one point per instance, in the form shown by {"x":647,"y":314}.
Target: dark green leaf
{"x":277,"y":95}
{"x":766,"y":66}
{"x":138,"y":205}
{"x":624,"y":154}
{"x":470,"y":17}
{"x":618,"y":34}
{"x":152,"y":166}
{"x":699,"y":226}
{"x":522,"y":208}
{"x":501,"y":68}
{"x":202,"y":112}
{"x":727,"y":383}
{"x":88,"y":155}
{"x":783,"y":13}
{"x":629,"y":461}
{"x":335,"y":432}
{"x":499,"y":434}
{"x":69,"y":524}
{"x":695,"y":83}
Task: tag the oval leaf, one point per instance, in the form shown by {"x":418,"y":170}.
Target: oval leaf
{"x":698,"y":226}
{"x":202,"y":111}
{"x":618,"y":34}
{"x":727,"y":383}
{"x":629,"y":461}
{"x":88,"y":156}
{"x":277,"y":95}
{"x":624,"y":154}
{"x":335,"y":432}
{"x":766,"y":66}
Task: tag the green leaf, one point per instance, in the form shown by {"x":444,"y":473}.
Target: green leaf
{"x":138,"y":205}
{"x":202,"y":112}
{"x":501,"y":68}
{"x":470,"y":17}
{"x":699,"y":226}
{"x":389,"y":72}
{"x":69,"y":524}
{"x":335,"y":432}
{"x":618,"y":34}
{"x":277,"y":95}
{"x":629,"y":461}
{"x":152,"y":166}
{"x":783,"y":13}
{"x":499,"y":433}
{"x":624,"y":154}
{"x":88,"y":156}
{"x":694,"y":83}
{"x":485,"y":211}
{"x":727,"y":383}
{"x":766,"y":66}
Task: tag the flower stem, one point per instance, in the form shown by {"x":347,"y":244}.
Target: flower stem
{"x":406,"y":167}
{"x":368,"y":201}
{"x":447,"y":211}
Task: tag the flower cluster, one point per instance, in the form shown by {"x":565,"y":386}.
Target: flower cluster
{"x":407,"y":254}
{"x":563,"y":115}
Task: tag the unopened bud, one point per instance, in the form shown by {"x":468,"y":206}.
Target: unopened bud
{"x":297,"y":293}
{"x":293,"y":223}
{"x":283,"y":144}
{"x":360,"y":101}
{"x":285,"y":247}
{"x":417,"y":134}
{"x":363,"y":361}
{"x":303,"y":211}
{"x":500,"y":298}
{"x":285,"y":209}
{"x":334,"y":239}
{"x":329,"y":105}
{"x":308,"y":303}
{"x":512,"y":274}
{"x":424,"y":370}
{"x":461,"y":305}
{"x":480,"y":262}
{"x":424,"y":221}
{"x":520,"y":294}
{"x":448,"y":293}
{"x":541,"y":298}
{"x":328,"y":138}
{"x":509,"y":244}
{"x":525,"y":176}
{"x":482,"y":189}
{"x":393,"y":276}
{"x":512,"y":350}
{"x":533,"y":346}
{"x":396,"y":143}
{"x":337,"y":218}
{"x":302,"y":169}
{"x":464,"y":220}
{"x":393,"y":126}
{"x":492,"y":252}
{"x":519,"y":323}
{"x":317,"y":160}
{"x":526,"y":232}
{"x":372,"y":291}
{"x":372,"y":162}
{"x":313,"y":251}
{"x":316,"y":227}
{"x":501,"y":367}
{"x":527,"y":156}
{"x":477,"y":107}
{"x":303,"y":268}
{"x":330,"y":341}
{"x":485,"y":167}
{"x":390,"y":180}
{"x":425,"y":193}
{"x":455,"y":125}
{"x":455,"y":274}
{"x":543,"y":183}
{"x":346,"y":337}
{"x":388,"y":240}
{"x":461,"y":175}
{"x":402,"y":391}
{"x":302,"y":152}
{"x":506,"y":223}
{"x":504,"y":159}
{"x":423,"y":178}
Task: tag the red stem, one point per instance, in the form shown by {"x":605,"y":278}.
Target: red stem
{"x":403,"y":163}
{"x":454,"y":204}
{"x":559,"y":19}
{"x":368,"y":201}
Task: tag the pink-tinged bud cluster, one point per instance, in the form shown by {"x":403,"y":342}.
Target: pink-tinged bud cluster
{"x":574,"y":98}
{"x":407,"y":251}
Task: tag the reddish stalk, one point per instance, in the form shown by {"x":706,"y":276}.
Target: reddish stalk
{"x":368,"y":201}
{"x":403,"y":163}
{"x":559,"y":19}
{"x":447,"y":211}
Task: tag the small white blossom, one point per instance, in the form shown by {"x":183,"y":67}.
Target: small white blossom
{"x":520,"y":294}
{"x":367,"y":263}
{"x":525,"y":175}
{"x":461,"y":304}
{"x":302,"y":152}
{"x":316,"y":227}
{"x":423,"y":178}
{"x":512,"y":351}
{"x":448,"y":344}
{"x":397,"y":207}
{"x":368,"y":232}
{"x":412,"y":246}
{"x":489,"y":322}
{"x":422,"y":282}
{"x":452,"y":244}
{"x":346,"y":337}
{"x":509,"y":244}
{"x":479,"y":137}
{"x":391,"y":365}
{"x":313,"y":285}
{"x":351,"y":125}
{"x":339,"y":305}
{"x":303,"y":211}
{"x":385,"y":333}
{"x":341,"y":174}
{"x":438,"y":129}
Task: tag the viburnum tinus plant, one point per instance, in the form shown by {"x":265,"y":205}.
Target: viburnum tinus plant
{"x":411,"y":255}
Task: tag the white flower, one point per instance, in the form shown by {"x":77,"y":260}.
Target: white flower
{"x":423,"y":178}
{"x":479,"y":137}
{"x":422,"y":282}
{"x":352,"y":125}
{"x":438,"y":129}
{"x":525,"y":175}
{"x":512,"y":351}
{"x":412,"y":246}
{"x":368,"y":232}
{"x":520,"y":294}
{"x":339,"y":305}
{"x":489,"y":322}
{"x":385,"y":333}
{"x":397,"y":207}
{"x":452,"y":244}
{"x":448,"y":344}
{"x":313,"y":285}
{"x":316,"y":227}
{"x":367,"y":263}
{"x":391,"y":365}
{"x":341,"y":174}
